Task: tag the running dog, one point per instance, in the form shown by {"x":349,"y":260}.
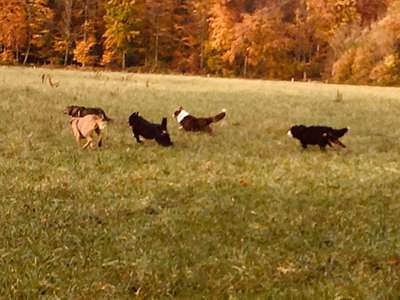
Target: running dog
{"x":81,"y":111}
{"x":84,"y":127}
{"x":191,"y":123}
{"x":148,"y":130}
{"x":317,"y":135}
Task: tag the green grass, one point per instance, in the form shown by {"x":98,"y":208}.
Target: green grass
{"x":245,"y":213}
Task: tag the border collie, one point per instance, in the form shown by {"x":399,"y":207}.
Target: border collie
{"x":81,"y":111}
{"x":317,"y":135}
{"x":191,"y":123}
{"x":142,"y":127}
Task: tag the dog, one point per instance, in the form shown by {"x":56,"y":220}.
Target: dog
{"x":81,"y":111}
{"x":191,"y":123}
{"x":84,"y":127}
{"x":142,"y":127}
{"x":317,"y":135}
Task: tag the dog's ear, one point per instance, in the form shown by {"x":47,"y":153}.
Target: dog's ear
{"x":164,"y":124}
{"x":74,"y":111}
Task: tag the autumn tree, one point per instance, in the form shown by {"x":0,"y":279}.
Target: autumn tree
{"x":374,"y":58}
{"x":156,"y":32}
{"x":122,"y":24}
{"x":39,"y":17}
{"x":371,"y":10}
{"x":13,"y":28}
{"x":221,"y":35}
{"x":86,"y":51}
{"x":190,"y":33}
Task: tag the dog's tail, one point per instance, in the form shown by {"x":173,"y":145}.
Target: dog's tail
{"x":337,"y":133}
{"x":105,"y":118}
{"x":164,"y":124}
{"x":219,"y":116}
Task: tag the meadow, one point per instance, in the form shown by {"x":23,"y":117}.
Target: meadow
{"x":243,"y":214}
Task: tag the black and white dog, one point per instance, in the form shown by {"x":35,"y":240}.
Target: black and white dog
{"x":81,"y":111}
{"x":317,"y":135}
{"x":142,"y":127}
{"x":191,"y":123}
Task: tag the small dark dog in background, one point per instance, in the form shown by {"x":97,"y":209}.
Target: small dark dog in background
{"x":317,"y":135}
{"x":192,"y":123}
{"x":142,"y":127}
{"x":81,"y":111}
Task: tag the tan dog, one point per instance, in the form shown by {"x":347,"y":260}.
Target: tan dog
{"x":84,"y":127}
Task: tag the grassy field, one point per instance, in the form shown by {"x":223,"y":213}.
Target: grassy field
{"x":245,"y":213}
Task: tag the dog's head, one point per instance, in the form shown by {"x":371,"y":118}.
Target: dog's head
{"x":177,"y":112}
{"x":73,"y":110}
{"x":133,"y":118}
{"x":163,"y":137}
{"x":296,"y":131}
{"x":180,"y":114}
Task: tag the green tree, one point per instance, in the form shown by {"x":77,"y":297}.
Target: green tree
{"x":122,"y":27}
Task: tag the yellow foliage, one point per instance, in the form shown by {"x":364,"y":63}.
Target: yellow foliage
{"x":7,"y":57}
{"x":386,"y":72}
{"x":342,"y":68}
{"x":390,"y":61}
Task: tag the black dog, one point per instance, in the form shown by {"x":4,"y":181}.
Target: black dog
{"x":317,"y":135}
{"x":192,"y":123}
{"x":142,"y":127}
{"x":81,"y":111}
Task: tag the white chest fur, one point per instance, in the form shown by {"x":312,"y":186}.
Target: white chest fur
{"x":183,"y":114}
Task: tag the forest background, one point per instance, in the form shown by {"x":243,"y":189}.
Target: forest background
{"x":342,"y":41}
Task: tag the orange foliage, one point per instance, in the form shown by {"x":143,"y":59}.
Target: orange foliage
{"x":83,"y":52}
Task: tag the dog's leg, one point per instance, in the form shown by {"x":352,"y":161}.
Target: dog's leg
{"x":137,"y":137}
{"x":89,"y":140}
{"x":339,"y":143}
{"x":100,"y":141}
{"x":87,"y":143}
{"x":304,"y":145}
{"x":77,"y":135}
{"x":322,"y":147}
{"x":77,"y":138}
{"x":92,"y":146}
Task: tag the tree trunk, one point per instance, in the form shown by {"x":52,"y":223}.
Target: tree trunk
{"x":27,"y":52}
{"x":245,"y":66}
{"x":29,"y":10}
{"x":156,"y":43}
{"x":123,"y":59}
{"x":66,"y":55}
{"x":202,"y":41}
{"x":17,"y":54}
{"x":86,"y":13}
{"x":67,"y":31}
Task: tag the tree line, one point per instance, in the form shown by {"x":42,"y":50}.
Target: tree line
{"x":346,"y":41}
